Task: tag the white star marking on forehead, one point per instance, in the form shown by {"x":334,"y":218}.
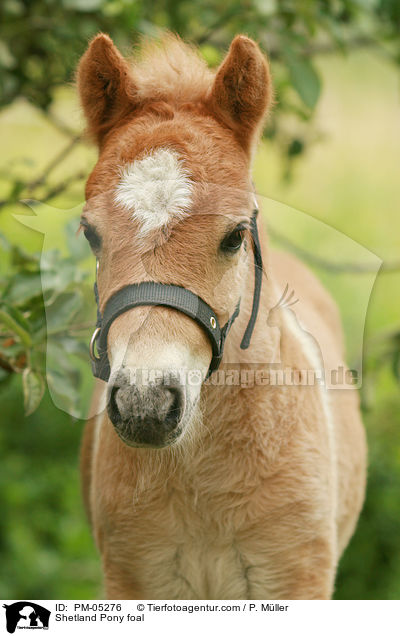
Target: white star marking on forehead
{"x":156,"y":190}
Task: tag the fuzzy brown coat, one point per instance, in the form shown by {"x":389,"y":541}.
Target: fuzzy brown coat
{"x":261,"y":498}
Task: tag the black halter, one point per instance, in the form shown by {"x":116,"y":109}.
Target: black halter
{"x":180,"y":298}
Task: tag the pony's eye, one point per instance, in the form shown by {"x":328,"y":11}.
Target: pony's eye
{"x":92,"y":237}
{"x":234,"y":240}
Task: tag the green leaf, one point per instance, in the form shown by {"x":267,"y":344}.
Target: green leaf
{"x":7,"y":60}
{"x":23,"y":287}
{"x":63,"y":380}
{"x":60,"y":313}
{"x":21,"y":258}
{"x":296,"y":147}
{"x":33,"y":385}
{"x":58,"y":279}
{"x":16,"y":315}
{"x":304,"y":78}
{"x":13,"y":320}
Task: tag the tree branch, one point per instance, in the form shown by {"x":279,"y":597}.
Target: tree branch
{"x":42,"y":178}
{"x":61,"y":187}
{"x":59,"y":158}
{"x":331,"y":266}
{"x":327,"y":48}
{"x":60,"y":125}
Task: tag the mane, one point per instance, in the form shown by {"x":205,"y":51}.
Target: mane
{"x":168,"y":69}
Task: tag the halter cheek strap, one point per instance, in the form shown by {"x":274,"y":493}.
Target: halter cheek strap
{"x":258,"y":272}
{"x":179,"y":298}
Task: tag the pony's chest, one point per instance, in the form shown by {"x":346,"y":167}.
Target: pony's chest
{"x":180,"y":548}
{"x":195,"y":569}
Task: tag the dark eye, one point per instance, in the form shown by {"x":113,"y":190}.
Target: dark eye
{"x":234,"y":240}
{"x":92,"y":236}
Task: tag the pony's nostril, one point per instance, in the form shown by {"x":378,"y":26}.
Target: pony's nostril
{"x":175,"y":410}
{"x":113,"y":409}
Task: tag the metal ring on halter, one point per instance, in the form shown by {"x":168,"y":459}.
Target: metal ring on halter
{"x":93,"y":339}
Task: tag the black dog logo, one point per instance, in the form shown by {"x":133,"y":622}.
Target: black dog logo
{"x":26,"y":615}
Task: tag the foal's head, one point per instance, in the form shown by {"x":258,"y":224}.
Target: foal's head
{"x":169,"y":201}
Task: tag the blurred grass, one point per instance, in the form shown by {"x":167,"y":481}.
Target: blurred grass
{"x":45,"y":543}
{"x":350,"y":181}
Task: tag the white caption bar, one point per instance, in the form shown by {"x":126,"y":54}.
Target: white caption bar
{"x":155,"y":617}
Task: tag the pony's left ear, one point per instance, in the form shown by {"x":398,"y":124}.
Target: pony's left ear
{"x":105,"y":86}
{"x":242,"y":90}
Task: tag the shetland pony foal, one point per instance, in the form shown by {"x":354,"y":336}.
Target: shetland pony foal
{"x":208,"y":490}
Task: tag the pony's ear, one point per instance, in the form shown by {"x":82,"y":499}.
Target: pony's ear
{"x":242,"y":90}
{"x":106,"y":87}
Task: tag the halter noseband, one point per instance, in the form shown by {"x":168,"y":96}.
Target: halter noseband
{"x":181,"y":299}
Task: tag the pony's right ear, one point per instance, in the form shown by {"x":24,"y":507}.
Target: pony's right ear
{"x":105,"y":84}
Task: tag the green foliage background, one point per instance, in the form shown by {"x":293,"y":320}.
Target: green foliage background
{"x":331,"y":149}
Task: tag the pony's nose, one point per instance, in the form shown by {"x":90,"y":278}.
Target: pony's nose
{"x":145,"y":415}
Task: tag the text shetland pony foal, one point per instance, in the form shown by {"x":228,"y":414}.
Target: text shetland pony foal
{"x":195,"y":490}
